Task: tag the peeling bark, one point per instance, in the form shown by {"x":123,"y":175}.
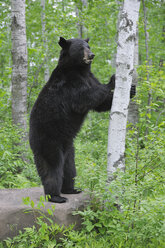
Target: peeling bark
{"x":124,"y":72}
{"x":19,"y":68}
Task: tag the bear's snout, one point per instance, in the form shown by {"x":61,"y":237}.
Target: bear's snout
{"x":88,"y":56}
{"x":91,"y":55}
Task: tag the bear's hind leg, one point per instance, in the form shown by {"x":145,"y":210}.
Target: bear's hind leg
{"x":52,"y":186}
{"x":50,"y":170}
{"x":69,"y":173}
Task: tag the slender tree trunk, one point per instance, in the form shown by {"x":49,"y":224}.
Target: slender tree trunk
{"x":148,"y":62}
{"x":81,"y":29}
{"x":79,"y":25}
{"x":120,"y":7}
{"x":44,"y":39}
{"x":133,"y":107}
{"x":146,"y":33}
{"x":124,"y":72}
{"x":19,"y":69}
{"x":63,"y":5}
{"x":161,"y":62}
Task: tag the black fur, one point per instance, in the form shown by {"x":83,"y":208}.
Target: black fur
{"x":59,"y":112}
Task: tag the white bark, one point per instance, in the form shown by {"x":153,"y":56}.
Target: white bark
{"x":44,"y":39}
{"x":133,"y":107}
{"x":120,"y":7}
{"x":19,"y":58}
{"x":124,"y":72}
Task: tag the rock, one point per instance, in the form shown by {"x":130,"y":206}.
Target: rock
{"x":12,"y":210}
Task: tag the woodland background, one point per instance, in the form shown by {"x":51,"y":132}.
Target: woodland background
{"x":141,"y":189}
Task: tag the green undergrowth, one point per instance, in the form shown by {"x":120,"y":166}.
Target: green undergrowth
{"x":127,"y":213}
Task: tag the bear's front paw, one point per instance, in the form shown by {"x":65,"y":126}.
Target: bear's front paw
{"x":112,"y":82}
{"x":133,"y":91}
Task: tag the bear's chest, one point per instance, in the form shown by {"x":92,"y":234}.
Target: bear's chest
{"x":79,"y":81}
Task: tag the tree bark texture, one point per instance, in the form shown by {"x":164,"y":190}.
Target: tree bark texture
{"x":124,"y":72}
{"x":133,"y":107}
{"x":19,"y":68}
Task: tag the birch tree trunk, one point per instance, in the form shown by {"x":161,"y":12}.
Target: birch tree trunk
{"x":120,"y":7}
{"x":19,"y":68}
{"x":124,"y":71}
{"x":44,"y":39}
{"x":133,"y":107}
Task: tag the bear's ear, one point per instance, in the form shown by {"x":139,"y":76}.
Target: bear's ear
{"x":63,"y":43}
{"x":87,"y":40}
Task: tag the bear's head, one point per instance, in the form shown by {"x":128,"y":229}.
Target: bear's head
{"x":75,"y":52}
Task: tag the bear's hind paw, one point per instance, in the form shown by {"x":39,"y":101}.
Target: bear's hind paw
{"x":58,"y":199}
{"x":73,"y":191}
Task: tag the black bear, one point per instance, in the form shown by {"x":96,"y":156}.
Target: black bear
{"x":58,"y":113}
